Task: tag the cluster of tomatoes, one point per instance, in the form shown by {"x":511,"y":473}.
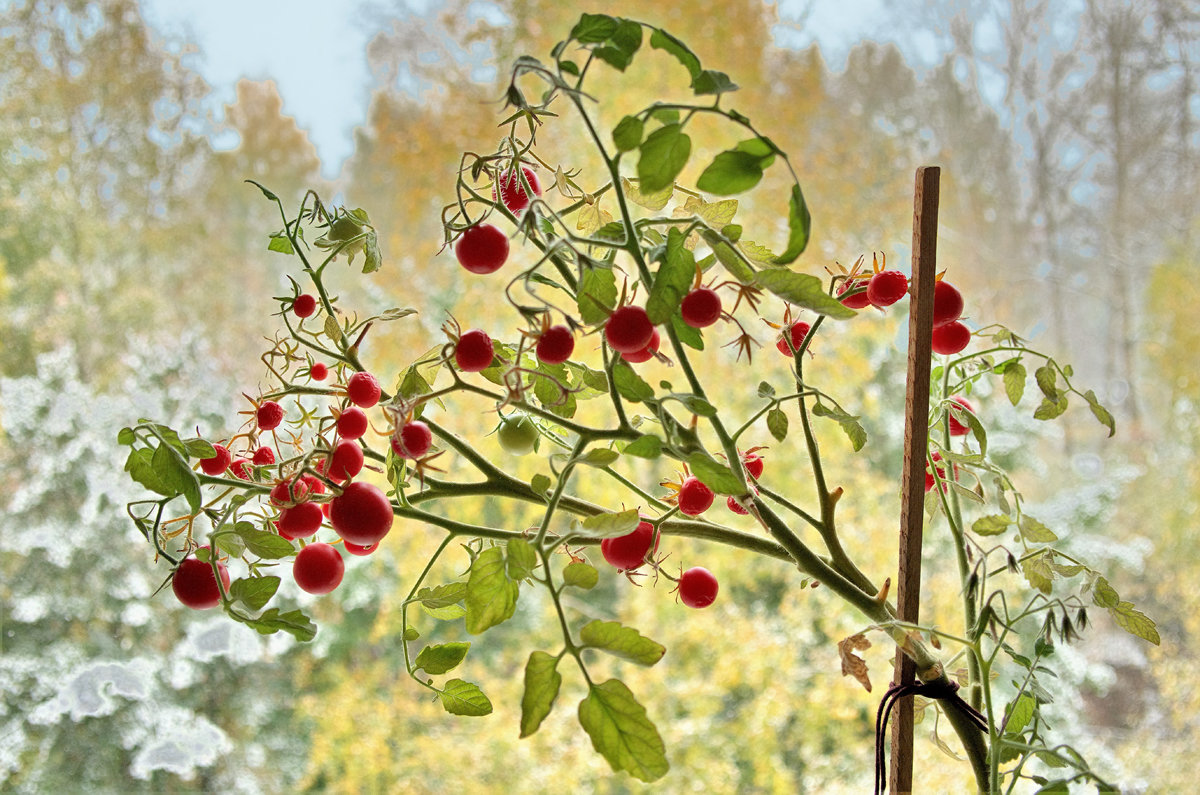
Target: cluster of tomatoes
{"x":483,"y":249}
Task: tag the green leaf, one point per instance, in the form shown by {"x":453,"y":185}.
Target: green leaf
{"x":765,"y":390}
{"x":1046,"y":378}
{"x":441,"y":658}
{"x":491,"y":596}
{"x":522,"y":559}
{"x":689,"y":336}
{"x":126,"y":436}
{"x":1036,"y":532}
{"x":464,"y":698}
{"x":621,"y":46}
{"x":597,"y":295}
{"x":620,"y":641}
{"x":718,"y":214}
{"x":1104,"y":594}
{"x":198,"y":448}
{"x":174,"y":473}
{"x":281,"y":243}
{"x":651,"y":200}
{"x":627,"y":135}
{"x":540,"y":483}
{"x":411,"y":634}
{"x":849,"y":423}
{"x":726,"y":255}
{"x":599,"y":457}
{"x":580,"y":575}
{"x":331,"y":328}
{"x":142,"y":471}
{"x":716,"y":476}
{"x":698,"y":406}
{"x":673,"y":280}
{"x":270,"y":196}
{"x":264,"y":544}
{"x":595,"y":380}
{"x":621,"y":732}
{"x":293,"y":622}
{"x":542,"y":681}
{"x":777,"y":424}
{"x":648,"y":446}
{"x":629,"y":384}
{"x":444,"y":601}
{"x":711,"y":81}
{"x":611,"y":525}
{"x":1051,"y":409}
{"x":1101,"y":414}
{"x":661,"y":40}
{"x":231,"y":544}
{"x":1020,"y":712}
{"x":1038,"y":572}
{"x":1135,"y":622}
{"x":551,"y":393}
{"x":731,"y":172}
{"x":664,"y":153}
{"x":594,"y":28}
{"x":799,"y":227}
{"x":804,"y":290}
{"x":254,"y":592}
{"x":991,"y":525}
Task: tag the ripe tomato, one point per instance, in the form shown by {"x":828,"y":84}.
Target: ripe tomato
{"x":698,"y":587}
{"x":346,"y":461}
{"x":858,"y":300}
{"x":701,"y":307}
{"x":947,"y":304}
{"x":269,"y":415}
{"x":694,"y":497}
{"x":361,"y":514}
{"x":474,"y":351}
{"x":195,"y":586}
{"x":628,"y":329}
{"x":646,"y":353}
{"x":950,"y":338}
{"x":299,"y":521}
{"x":482,"y":248}
{"x":797,"y":331}
{"x":886,"y":288}
{"x":218,"y":463}
{"x":352,"y":423}
{"x":363,"y":389}
{"x":413,"y":440}
{"x":304,"y":305}
{"x":512,"y":192}
{"x":629,"y":551}
{"x":318,"y":568}
{"x":555,"y":345}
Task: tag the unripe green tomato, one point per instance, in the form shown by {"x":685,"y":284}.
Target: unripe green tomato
{"x":517,"y":434}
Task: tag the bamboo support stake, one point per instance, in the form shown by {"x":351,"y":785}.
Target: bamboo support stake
{"x":916,"y":435}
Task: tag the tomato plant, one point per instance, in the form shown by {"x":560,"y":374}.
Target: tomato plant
{"x":631,"y":287}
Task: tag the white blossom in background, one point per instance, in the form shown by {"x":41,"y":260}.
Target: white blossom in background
{"x":87,"y":653}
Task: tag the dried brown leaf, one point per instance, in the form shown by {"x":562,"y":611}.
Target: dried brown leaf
{"x":853,"y":664}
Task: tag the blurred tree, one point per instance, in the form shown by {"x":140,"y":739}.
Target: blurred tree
{"x":99,"y":140}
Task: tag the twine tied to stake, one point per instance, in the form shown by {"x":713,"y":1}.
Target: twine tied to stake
{"x":940,"y":689}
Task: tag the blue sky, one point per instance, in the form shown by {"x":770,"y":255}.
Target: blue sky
{"x":316,"y":51}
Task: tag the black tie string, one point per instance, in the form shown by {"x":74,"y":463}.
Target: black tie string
{"x":940,"y":689}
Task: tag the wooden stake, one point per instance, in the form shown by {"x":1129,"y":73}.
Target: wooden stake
{"x":916,"y":436}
